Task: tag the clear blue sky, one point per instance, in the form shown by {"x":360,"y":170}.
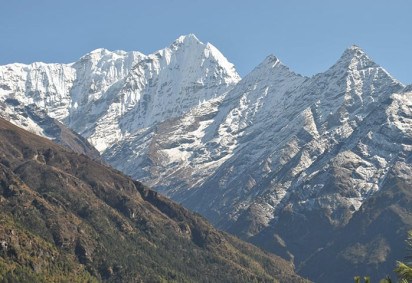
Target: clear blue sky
{"x":307,"y":35}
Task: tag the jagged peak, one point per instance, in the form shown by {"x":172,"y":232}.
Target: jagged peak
{"x":187,"y":40}
{"x":100,"y":54}
{"x":96,"y":53}
{"x":354,"y":58}
{"x":272,"y":62}
{"x":271,"y":69}
{"x":354,"y":48}
{"x":186,"y":43}
{"x":189,"y":46}
{"x":99,"y":51}
{"x":354,"y":52}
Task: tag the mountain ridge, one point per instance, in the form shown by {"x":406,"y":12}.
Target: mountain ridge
{"x":257,"y":154}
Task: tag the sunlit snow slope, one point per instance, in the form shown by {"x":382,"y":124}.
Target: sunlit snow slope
{"x":106,"y":96}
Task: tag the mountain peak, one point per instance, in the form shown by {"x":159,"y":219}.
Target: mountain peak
{"x":194,"y":52}
{"x":95,"y":54}
{"x":99,"y":50}
{"x":187,"y":40}
{"x":354,"y":51}
{"x":100,"y":53}
{"x":272,"y":59}
{"x":354,"y":58}
{"x":271,"y":62}
{"x":354,"y":47}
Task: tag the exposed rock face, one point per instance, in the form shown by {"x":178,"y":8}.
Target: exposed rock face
{"x":374,"y":239}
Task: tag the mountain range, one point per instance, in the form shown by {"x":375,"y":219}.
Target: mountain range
{"x":306,"y":167}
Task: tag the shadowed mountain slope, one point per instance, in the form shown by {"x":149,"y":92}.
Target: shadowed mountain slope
{"x":67,"y":216}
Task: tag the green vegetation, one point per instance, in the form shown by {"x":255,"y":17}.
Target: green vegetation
{"x":404,"y":269}
{"x":358,"y":279}
{"x":386,"y":280}
{"x":25,"y":257}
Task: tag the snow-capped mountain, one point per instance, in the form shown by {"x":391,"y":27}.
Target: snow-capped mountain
{"x":253,"y":149}
{"x":283,"y":160}
{"x":106,"y":96}
{"x":287,"y":152}
{"x":189,"y":148}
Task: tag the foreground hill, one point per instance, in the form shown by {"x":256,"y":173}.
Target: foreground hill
{"x":68,"y":218}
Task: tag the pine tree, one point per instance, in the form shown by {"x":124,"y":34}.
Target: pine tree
{"x":404,"y":269}
{"x":386,"y":280}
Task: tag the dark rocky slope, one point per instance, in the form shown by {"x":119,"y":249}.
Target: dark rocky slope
{"x":374,"y":239}
{"x":68,"y":218}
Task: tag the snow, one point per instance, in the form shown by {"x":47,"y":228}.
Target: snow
{"x":108,"y":95}
{"x":181,"y":119}
{"x":293,"y":123}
